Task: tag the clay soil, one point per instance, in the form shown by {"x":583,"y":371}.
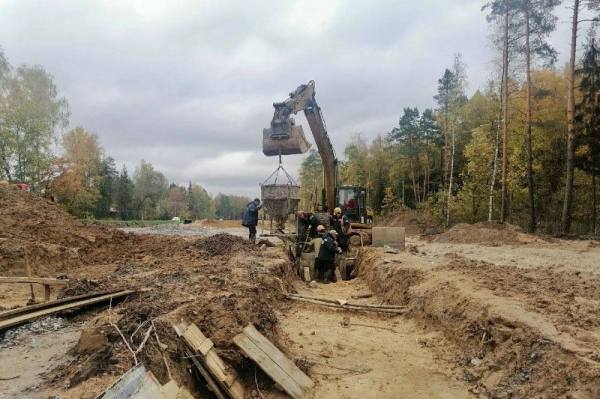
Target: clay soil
{"x":491,"y":312}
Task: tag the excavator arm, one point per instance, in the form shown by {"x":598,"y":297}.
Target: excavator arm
{"x":283,"y":128}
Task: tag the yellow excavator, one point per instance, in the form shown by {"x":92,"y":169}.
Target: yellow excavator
{"x":284,"y":137}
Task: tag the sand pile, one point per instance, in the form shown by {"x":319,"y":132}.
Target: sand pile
{"x":415,"y":222}
{"x":484,"y":233}
{"x":35,"y":230}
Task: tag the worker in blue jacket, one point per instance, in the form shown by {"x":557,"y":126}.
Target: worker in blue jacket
{"x":250,"y":218}
{"x":325,"y":260}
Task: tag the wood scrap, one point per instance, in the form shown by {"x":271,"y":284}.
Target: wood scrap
{"x":202,"y":348}
{"x":210,"y":381}
{"x":39,"y":306}
{"x":273,"y":362}
{"x":361,"y":296}
{"x":343,"y":302}
{"x":26,"y":317}
{"x":34,"y":280}
{"x":371,"y":308}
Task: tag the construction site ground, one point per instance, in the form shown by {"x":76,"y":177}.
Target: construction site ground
{"x":491,"y":312}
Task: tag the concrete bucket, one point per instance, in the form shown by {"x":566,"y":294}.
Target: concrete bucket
{"x":280,"y":200}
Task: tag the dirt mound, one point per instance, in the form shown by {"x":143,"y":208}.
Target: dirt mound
{"x":415,"y":222}
{"x":222,"y":283}
{"x":494,"y":234}
{"x":223,"y":244}
{"x":37,"y":232}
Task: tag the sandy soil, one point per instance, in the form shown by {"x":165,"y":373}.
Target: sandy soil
{"x":33,"y":351}
{"x":565,"y":255}
{"x":491,"y":312}
{"x":362,"y":355}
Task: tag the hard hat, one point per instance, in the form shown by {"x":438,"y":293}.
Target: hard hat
{"x":337,"y":211}
{"x":333,"y":233}
{"x":320,"y":228}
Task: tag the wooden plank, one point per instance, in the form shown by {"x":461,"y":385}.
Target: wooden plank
{"x":349,"y":306}
{"x":223,"y":374}
{"x":11,"y":322}
{"x":210,"y":382}
{"x":273,"y":362}
{"x":35,"y":280}
{"x":28,"y":309}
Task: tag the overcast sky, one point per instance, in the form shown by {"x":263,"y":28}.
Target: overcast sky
{"x":189,"y":85}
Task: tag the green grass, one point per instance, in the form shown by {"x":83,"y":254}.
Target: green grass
{"x":128,"y":223}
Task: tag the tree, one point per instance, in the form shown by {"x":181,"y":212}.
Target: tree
{"x":588,"y":117}
{"x":106,"y":187}
{"x":565,"y":220}
{"x":311,"y":181}
{"x":176,"y":201}
{"x":31,"y":112}
{"x":502,"y":12}
{"x":230,"y":207}
{"x":443,"y":98}
{"x":354,"y":169}
{"x":199,"y":202}
{"x":123,"y":192}
{"x":406,"y":137}
{"x":539,"y":22}
{"x":76,"y":186}
{"x":151,"y":187}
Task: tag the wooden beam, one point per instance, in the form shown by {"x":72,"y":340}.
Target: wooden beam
{"x":273,"y":362}
{"x":39,"y":306}
{"x":337,"y":302}
{"x":350,"y":307}
{"x":24,"y":318}
{"x":203,"y":348}
{"x":35,"y":280}
{"x":210,"y":382}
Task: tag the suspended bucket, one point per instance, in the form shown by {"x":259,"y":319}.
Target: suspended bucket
{"x":284,"y":140}
{"x":280,"y":200}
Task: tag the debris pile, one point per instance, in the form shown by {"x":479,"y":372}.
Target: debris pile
{"x":220,"y":283}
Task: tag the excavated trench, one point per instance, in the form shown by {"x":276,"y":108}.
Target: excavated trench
{"x":503,"y":342}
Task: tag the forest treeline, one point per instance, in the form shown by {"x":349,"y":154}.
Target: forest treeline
{"x":83,"y":178}
{"x":524,"y":150}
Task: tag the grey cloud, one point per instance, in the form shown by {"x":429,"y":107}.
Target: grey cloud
{"x":187,"y":84}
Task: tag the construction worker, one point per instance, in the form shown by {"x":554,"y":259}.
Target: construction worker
{"x":341,"y":224}
{"x":250,"y":218}
{"x":325,"y":260}
{"x":313,"y":225}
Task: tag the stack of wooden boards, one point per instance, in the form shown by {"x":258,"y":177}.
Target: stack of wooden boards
{"x":223,"y":381}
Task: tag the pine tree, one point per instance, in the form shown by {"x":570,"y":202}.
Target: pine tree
{"x":588,"y":118}
{"x":539,"y":22}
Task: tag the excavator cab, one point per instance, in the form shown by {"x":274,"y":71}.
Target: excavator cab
{"x":353,"y":199}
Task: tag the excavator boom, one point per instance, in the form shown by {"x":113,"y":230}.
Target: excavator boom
{"x":285,"y":138}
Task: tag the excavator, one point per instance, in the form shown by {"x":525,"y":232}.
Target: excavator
{"x":284,"y":137}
